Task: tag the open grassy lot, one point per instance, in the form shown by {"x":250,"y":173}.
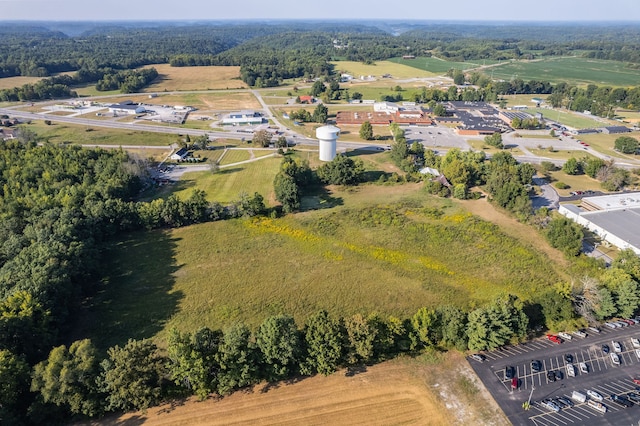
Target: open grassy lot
{"x":439,"y":66}
{"x":77,"y":134}
{"x":235,"y":156}
{"x":226,"y":184}
{"x":632,"y":117}
{"x":359,"y":256}
{"x":604,"y":143}
{"x":429,"y":390}
{"x":378,"y":69}
{"x":213,"y":101}
{"x":195,"y":78}
{"x":573,"y":70}
{"x":575,"y":182}
{"x":570,"y":118}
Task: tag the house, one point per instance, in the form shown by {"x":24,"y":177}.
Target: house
{"x":306,"y":99}
{"x":180,"y":154}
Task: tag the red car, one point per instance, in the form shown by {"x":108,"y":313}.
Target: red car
{"x":554,"y":339}
{"x":636,"y":380}
{"x":514,"y":383}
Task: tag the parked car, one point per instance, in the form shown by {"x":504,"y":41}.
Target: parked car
{"x":568,"y":357}
{"x":636,"y":380}
{"x":559,"y":375}
{"x":597,"y":406}
{"x":638,"y":353}
{"x":565,"y":336}
{"x":536,"y":365}
{"x":579,"y":333}
{"x":565,"y":401}
{"x":551,"y":376}
{"x":617,"y":347}
{"x":584,"y":368}
{"x":635,"y":342}
{"x":622,"y":401}
{"x":571,"y":370}
{"x":615,"y":359}
{"x":509,"y":372}
{"x":595,"y":329}
{"x":610,"y":325}
{"x":634,"y":397}
{"x":550,"y":405}
{"x":605,"y":349}
{"x":595,"y":395}
{"x":554,"y":339}
{"x":478,"y":357}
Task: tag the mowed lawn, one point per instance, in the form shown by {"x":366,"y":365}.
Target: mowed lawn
{"x":80,"y":134}
{"x":359,"y":256}
{"x":227,"y":184}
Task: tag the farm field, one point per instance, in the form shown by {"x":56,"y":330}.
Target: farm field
{"x":573,"y":70}
{"x":429,"y":390}
{"x":351,"y":255}
{"x":195,"y":78}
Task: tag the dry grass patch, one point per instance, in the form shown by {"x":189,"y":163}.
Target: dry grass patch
{"x":11,"y":82}
{"x":195,"y":78}
{"x":404,"y":391}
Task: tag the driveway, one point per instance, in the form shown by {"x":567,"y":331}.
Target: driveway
{"x":549,"y":197}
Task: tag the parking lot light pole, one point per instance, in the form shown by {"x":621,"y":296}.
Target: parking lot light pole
{"x":529,"y":401}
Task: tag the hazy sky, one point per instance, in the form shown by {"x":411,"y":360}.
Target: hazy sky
{"x":495,"y":10}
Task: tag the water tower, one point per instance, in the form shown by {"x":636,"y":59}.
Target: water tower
{"x":327,"y":137}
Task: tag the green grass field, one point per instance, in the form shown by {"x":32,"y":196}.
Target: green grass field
{"x":226,"y":184}
{"x":569,"y":118}
{"x":573,"y":70}
{"x":438,"y":66}
{"x":78,"y":134}
{"x":356,"y":256}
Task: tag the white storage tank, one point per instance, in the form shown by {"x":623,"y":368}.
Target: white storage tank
{"x":327,"y":138}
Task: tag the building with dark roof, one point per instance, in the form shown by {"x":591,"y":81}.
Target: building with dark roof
{"x":127,"y":108}
{"x":615,"y":129}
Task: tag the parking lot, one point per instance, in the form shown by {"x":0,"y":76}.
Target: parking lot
{"x":603,"y":376}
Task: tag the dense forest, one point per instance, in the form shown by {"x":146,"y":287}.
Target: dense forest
{"x":271,"y":52}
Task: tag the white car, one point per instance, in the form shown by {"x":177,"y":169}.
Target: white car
{"x":594,"y":329}
{"x":615,"y":359}
{"x":565,"y":336}
{"x":617,"y":348}
{"x":610,"y":325}
{"x":595,"y":395}
{"x":581,"y":334}
{"x":635,"y":342}
{"x":584,"y":368}
{"x":638,"y":353}
{"x":571,"y":370}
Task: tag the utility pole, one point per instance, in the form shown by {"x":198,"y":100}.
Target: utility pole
{"x":527,"y":403}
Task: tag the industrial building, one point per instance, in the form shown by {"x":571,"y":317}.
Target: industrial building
{"x":243,"y":117}
{"x":127,"y":108}
{"x":614,"y":218}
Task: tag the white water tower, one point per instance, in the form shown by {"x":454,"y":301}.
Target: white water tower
{"x":327,"y":137}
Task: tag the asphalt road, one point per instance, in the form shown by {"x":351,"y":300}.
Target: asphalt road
{"x":603,"y":377}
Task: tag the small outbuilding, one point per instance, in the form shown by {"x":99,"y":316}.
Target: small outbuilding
{"x":180,"y":154}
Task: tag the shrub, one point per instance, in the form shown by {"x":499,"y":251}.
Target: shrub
{"x":561,"y":185}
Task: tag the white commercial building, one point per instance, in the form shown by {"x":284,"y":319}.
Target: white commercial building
{"x":614,"y":218}
{"x":243,"y":117}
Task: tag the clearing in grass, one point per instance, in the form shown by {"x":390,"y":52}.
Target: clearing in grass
{"x":380,"y":68}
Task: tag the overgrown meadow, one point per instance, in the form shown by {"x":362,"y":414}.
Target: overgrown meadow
{"x":390,"y":259}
